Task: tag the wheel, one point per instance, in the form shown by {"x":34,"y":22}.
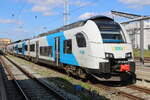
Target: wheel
{"x":81,"y":73}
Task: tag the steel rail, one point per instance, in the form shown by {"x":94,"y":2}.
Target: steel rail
{"x":145,"y":58}
{"x":14,"y":79}
{"x":145,"y":90}
{"x":130,"y":96}
{"x":56,"y":93}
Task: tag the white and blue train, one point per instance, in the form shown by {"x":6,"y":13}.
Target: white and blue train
{"x":98,"y":46}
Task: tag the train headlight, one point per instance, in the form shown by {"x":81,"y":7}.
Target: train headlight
{"x":109,"y":55}
{"x":129,"y":55}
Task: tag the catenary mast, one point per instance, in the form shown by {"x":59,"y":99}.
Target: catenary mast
{"x":66,"y":12}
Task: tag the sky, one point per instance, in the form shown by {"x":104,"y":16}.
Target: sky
{"x":22,"y":19}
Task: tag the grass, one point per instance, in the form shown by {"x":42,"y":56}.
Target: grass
{"x":136,"y":53}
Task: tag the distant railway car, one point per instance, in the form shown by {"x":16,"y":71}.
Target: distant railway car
{"x":11,"y":48}
{"x":97,"y":46}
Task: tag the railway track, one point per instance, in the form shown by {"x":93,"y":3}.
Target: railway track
{"x":146,"y":59}
{"x":137,"y":93}
{"x":141,"y":92}
{"x":132,"y":92}
{"x":120,"y":92}
{"x":40,"y":88}
{"x":145,"y":90}
{"x":21,"y":91}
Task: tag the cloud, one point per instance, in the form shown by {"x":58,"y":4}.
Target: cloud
{"x":87,"y":15}
{"x":143,"y":2}
{"x":9,"y":21}
{"x":135,"y":3}
{"x":81,"y":3}
{"x":39,"y":8}
{"x":107,"y":14}
{"x":46,"y":2}
{"x":46,"y":11}
{"x":20,"y":30}
{"x":91,"y":14}
{"x":17,"y":34}
{"x":49,"y":13}
{"x":47,"y":7}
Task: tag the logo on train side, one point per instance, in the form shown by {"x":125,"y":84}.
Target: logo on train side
{"x":118,"y":48}
{"x":82,"y":52}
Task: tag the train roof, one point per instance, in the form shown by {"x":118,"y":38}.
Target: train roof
{"x":19,"y":41}
{"x":99,"y":17}
{"x":74,"y":25}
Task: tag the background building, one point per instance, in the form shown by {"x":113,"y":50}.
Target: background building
{"x":133,"y":29}
{"x":4,"y":42}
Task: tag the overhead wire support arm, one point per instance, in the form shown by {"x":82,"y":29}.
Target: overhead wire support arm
{"x":126,"y":15}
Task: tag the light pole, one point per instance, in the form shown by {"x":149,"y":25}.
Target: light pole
{"x":142,"y":42}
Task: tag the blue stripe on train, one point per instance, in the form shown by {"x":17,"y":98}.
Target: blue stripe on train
{"x":64,"y":58}
{"x":111,"y":41}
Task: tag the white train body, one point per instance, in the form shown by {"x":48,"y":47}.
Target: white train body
{"x":99,"y":45}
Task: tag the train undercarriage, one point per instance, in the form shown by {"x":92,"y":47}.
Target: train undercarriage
{"x":111,"y":71}
{"x":82,"y":73}
{"x":116,"y":70}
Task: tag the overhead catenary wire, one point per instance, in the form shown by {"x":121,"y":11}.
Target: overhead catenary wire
{"x":15,"y":13}
{"x":19,"y":11}
{"x":17,"y":16}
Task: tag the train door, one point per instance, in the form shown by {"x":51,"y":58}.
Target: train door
{"x":37,"y":50}
{"x":28,"y":47}
{"x":57,"y":50}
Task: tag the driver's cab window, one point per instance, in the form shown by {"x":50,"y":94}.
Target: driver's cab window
{"x":81,"y":41}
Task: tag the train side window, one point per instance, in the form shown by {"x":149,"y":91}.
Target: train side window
{"x":32,"y":47}
{"x":20,"y":50}
{"x":16,"y":48}
{"x":46,"y":51}
{"x":26,"y":48}
{"x":81,"y":41}
{"x":68,"y":46}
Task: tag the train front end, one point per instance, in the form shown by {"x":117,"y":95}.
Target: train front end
{"x":112,"y":51}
